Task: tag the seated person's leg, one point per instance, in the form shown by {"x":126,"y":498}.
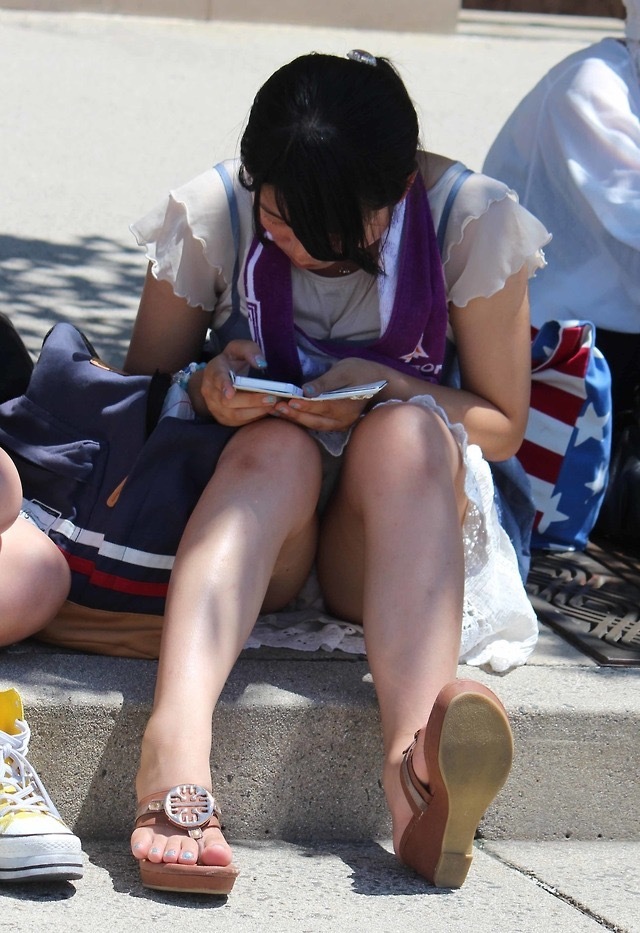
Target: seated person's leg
{"x":34,"y":576}
{"x":249,"y":544}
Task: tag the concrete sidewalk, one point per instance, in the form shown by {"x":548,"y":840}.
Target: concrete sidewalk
{"x":345,"y":888}
{"x":99,"y":116}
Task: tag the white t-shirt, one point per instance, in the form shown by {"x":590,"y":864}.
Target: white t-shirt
{"x":571,"y":149}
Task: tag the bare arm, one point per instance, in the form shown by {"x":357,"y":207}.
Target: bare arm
{"x":493,"y":340}
{"x":168,"y":333}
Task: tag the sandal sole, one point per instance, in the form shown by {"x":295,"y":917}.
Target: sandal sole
{"x":188,"y":879}
{"x":469,"y":751}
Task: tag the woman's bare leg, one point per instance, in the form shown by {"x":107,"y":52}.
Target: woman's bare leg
{"x":34,"y":581}
{"x":250,"y":542}
{"x":391,"y":555}
{"x":34,"y":576}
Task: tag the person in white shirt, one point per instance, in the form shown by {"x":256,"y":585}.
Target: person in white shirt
{"x":571,"y":151}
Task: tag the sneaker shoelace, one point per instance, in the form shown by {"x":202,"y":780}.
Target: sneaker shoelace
{"x":20,"y":787}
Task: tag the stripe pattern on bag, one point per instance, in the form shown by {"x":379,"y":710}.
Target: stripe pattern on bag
{"x":567,"y":442}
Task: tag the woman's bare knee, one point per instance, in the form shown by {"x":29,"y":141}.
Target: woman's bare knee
{"x":279,"y":464}
{"x":402,"y":447}
{"x":35,"y":581}
{"x":272,"y":447}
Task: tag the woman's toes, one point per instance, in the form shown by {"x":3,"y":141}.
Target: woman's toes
{"x":155,"y":852}
{"x":171,"y":853}
{"x":216,"y":854}
{"x":141,"y":840}
{"x":215,"y":849}
{"x":188,"y":852}
{"x":157,"y":847}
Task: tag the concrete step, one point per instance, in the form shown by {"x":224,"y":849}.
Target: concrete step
{"x":297,"y":744}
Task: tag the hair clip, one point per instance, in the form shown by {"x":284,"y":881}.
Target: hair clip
{"x":365,"y":58}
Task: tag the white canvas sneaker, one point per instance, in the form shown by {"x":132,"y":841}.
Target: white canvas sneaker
{"x":34,"y":842}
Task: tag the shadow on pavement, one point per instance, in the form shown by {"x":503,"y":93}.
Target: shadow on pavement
{"x":94,"y":283}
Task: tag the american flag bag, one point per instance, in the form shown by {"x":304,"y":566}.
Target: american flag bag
{"x":567,"y":442}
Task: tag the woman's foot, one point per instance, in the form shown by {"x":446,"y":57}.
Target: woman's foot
{"x":179,"y":843}
{"x":448,"y":778}
{"x":157,"y":839}
{"x":399,"y":807}
{"x":177,"y":838}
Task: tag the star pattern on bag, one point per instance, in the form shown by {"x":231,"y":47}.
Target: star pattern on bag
{"x":590,"y":425}
{"x":550,"y":512}
{"x":565,"y":452}
{"x":599,"y":481}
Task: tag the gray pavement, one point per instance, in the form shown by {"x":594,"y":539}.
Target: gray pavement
{"x":524,"y":888}
{"x":99,"y":116}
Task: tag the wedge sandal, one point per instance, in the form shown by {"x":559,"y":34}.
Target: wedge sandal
{"x":191,"y":809}
{"x":468,"y":750}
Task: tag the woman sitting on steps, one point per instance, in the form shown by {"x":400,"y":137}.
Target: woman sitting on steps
{"x":341,"y":283}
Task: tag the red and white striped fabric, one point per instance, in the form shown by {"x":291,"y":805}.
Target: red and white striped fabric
{"x":566,"y":448}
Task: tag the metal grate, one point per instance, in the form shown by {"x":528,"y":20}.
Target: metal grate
{"x":591,"y":599}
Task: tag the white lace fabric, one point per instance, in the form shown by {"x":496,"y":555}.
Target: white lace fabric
{"x":21,"y":790}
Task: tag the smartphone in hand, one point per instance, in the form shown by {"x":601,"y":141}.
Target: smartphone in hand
{"x":288,"y":390}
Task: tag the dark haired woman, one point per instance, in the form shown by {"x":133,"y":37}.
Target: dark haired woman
{"x":329,"y":221}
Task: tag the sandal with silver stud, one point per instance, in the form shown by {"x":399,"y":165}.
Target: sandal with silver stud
{"x":189,"y":808}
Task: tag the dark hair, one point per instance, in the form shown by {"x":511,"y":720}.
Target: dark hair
{"x":337,"y":139}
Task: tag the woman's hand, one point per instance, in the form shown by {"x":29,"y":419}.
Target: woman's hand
{"x":212,"y":392}
{"x":494,"y":350}
{"x":336,"y":415}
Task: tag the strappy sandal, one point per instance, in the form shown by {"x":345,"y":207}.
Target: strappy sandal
{"x":468,"y":750}
{"x":190,"y":808}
